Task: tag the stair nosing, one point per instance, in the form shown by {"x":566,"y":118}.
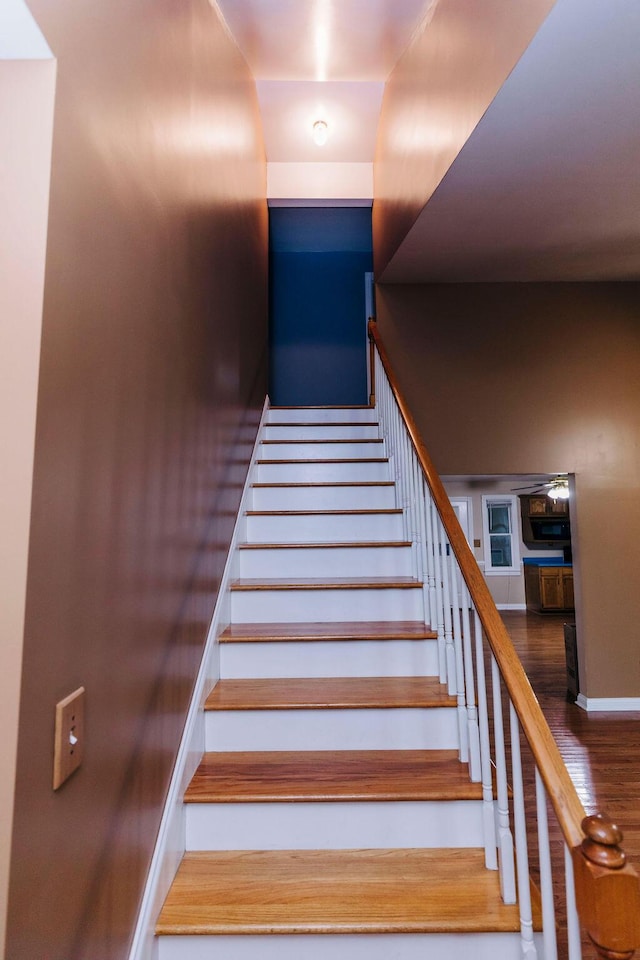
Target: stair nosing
{"x":334,"y":545}
{"x":318,"y":632}
{"x":325,"y":440}
{"x":382,"y":511}
{"x":246,"y":584}
{"x":329,"y":483}
{"x":324,"y":424}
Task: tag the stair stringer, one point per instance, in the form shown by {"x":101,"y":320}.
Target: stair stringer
{"x":171,"y":841}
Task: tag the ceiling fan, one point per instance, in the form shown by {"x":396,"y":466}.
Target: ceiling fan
{"x":557,"y":488}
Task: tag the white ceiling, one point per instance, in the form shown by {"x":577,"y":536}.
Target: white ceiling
{"x":322,"y":59}
{"x":546,"y":187}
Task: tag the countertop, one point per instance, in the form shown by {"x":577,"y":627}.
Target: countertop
{"x":546,"y":562}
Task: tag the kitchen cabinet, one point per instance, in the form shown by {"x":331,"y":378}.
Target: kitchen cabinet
{"x":545,"y":522}
{"x":548,"y":588}
{"x":540,"y":505}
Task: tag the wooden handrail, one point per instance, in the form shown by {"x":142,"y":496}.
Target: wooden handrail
{"x":590,"y":870}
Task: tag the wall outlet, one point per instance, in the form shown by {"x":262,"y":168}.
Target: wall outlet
{"x":69,"y":737}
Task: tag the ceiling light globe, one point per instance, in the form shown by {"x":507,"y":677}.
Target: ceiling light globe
{"x":320,"y":133}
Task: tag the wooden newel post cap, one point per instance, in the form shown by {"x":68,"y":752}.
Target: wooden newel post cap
{"x":601,"y":844}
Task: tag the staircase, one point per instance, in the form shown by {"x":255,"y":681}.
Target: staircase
{"x":331,"y":814}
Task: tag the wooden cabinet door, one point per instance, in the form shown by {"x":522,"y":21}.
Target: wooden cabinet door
{"x":567,"y":589}
{"x":551,"y":589}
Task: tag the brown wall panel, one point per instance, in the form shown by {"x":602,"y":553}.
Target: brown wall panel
{"x":434,"y":98}
{"x":539,"y":378}
{"x":153,"y":372}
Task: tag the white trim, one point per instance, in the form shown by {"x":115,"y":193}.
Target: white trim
{"x":171,"y":841}
{"x":511,"y":606}
{"x":608,"y":704}
{"x":468,"y":503}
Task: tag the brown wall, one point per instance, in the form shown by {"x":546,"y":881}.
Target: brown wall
{"x":539,"y":378}
{"x":434,"y":98}
{"x":26,"y":119}
{"x":152,"y":376}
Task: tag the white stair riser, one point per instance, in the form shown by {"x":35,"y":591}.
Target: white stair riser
{"x":322,"y":415}
{"x":310,"y":472}
{"x":326,"y":562}
{"x":324,"y":498}
{"x":334,"y":826}
{"x":329,"y":658}
{"x":324,"y":431}
{"x":323,"y":528}
{"x":402,"y":728}
{"x":316,"y":606}
{"x":390,"y":946}
{"x":281,"y":450}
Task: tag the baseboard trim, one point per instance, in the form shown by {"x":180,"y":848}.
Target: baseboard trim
{"x":608,"y":704}
{"x":511,"y":606}
{"x":170,"y":844}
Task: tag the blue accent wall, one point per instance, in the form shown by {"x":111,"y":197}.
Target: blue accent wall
{"x":318,"y":260}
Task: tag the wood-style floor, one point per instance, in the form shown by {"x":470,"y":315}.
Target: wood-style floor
{"x":601,"y":750}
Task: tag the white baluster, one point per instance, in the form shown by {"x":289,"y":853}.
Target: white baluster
{"x":473,"y":735}
{"x":413,"y":509}
{"x":430,"y":547}
{"x":527,"y":946}
{"x":573,"y":921}
{"x":505,"y":840}
{"x":546,"y":876}
{"x":446,"y":603}
{"x":439,"y":624}
{"x":463,"y":733}
{"x":420,"y":558}
{"x":423,"y":547}
{"x":488,"y":805}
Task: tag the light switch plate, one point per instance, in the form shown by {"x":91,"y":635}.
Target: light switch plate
{"x":69,"y":737}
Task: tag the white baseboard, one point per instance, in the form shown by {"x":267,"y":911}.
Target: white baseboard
{"x":171,"y":841}
{"x":511,"y":606}
{"x":608,"y":704}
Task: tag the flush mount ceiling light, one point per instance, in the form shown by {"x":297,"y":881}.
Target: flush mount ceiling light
{"x":320,"y":133}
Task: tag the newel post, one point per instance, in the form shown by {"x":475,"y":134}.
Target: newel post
{"x":607,"y":890}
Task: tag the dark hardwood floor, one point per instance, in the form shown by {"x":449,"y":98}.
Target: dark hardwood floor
{"x":601,"y":750}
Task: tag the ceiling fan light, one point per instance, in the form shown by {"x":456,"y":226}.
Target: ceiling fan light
{"x":559,"y":490}
{"x":320,"y":133}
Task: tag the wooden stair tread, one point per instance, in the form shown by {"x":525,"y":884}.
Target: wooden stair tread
{"x":328,"y":891}
{"x":326,"y":583}
{"x":340,"y":630}
{"x":311,"y":462}
{"x":324,"y":425}
{"x":322,"y":513}
{"x":326,"y":545}
{"x":331,"y":775}
{"x":327,"y":693}
{"x":325,"y":440}
{"x":329,"y":483}
{"x":325,"y":406}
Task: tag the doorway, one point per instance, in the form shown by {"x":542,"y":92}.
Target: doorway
{"x":318,"y":260}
